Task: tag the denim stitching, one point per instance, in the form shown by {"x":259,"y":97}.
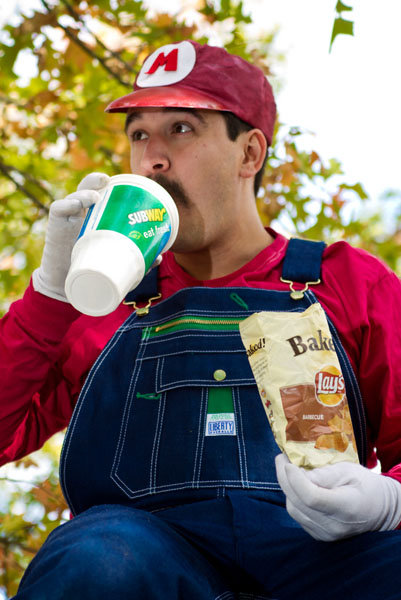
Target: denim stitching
{"x":198,"y":334}
{"x":172,"y":487}
{"x":184,"y":313}
{"x":127,"y":408}
{"x":156,"y":443}
{"x":203,"y":382}
{"x":238,"y":426}
{"x":250,"y":596}
{"x":181,"y":352}
{"x":311,"y":298}
{"x":158,"y":430}
{"x":208,"y":335}
{"x":238,"y":402}
{"x":194,"y":313}
{"x":209,"y":313}
{"x":200,"y":424}
{"x":202,"y":438}
{"x":74,"y":419}
{"x":159,"y":370}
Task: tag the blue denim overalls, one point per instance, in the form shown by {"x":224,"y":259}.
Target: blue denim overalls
{"x":168,"y":467}
{"x":146,"y":430}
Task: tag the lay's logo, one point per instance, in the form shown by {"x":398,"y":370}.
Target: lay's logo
{"x":329,"y":386}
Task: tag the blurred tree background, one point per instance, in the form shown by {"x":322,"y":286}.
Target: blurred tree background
{"x":54,"y":131}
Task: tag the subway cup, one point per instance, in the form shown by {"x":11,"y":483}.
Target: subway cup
{"x":134,"y":221}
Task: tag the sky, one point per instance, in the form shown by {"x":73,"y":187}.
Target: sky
{"x":349,"y":99}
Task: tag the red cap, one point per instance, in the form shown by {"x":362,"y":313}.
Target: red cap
{"x":189,"y":74}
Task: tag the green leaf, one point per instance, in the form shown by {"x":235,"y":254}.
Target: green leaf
{"x":341,"y":27}
{"x":8,"y":55}
{"x":356,"y":188}
{"x":342,"y":7}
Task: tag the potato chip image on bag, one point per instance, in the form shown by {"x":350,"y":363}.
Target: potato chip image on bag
{"x":298,"y":374}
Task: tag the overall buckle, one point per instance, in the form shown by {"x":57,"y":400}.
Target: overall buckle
{"x":299,"y":294}
{"x":141,"y":311}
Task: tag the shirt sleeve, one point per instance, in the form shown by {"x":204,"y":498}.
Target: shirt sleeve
{"x":362,"y":297}
{"x":36,"y":400}
{"x":380,"y":371}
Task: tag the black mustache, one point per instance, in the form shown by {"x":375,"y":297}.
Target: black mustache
{"x":174,"y":188}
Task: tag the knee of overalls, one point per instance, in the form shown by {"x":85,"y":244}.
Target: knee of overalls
{"x":119,"y":552}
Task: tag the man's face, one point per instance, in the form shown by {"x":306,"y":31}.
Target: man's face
{"x":189,"y":153}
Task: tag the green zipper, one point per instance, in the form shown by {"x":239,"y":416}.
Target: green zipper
{"x":191,"y":322}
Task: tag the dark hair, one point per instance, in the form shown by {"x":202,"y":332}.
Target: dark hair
{"x":235,"y":126}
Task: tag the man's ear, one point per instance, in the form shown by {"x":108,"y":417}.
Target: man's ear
{"x":254,"y":151}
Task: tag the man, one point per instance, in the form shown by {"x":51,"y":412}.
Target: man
{"x":165,"y":506}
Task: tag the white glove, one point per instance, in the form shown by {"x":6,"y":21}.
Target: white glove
{"x":341,"y":500}
{"x":65,"y":221}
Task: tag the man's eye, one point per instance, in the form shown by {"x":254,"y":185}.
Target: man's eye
{"x":181,"y":128}
{"x":137,"y":136}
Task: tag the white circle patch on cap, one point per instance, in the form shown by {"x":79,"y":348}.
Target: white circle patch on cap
{"x":167,"y":65}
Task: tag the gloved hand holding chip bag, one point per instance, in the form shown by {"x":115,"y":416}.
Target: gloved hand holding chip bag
{"x":301,"y":386}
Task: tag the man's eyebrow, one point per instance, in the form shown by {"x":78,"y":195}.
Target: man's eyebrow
{"x":130,"y":118}
{"x":133,"y":116}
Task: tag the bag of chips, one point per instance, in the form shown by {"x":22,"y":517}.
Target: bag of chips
{"x":296,"y":368}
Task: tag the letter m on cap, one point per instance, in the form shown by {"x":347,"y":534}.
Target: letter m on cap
{"x":169,"y":62}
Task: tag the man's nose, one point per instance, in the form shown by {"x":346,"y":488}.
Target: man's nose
{"x":155,"y":158}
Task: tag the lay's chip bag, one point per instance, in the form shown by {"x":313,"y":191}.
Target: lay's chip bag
{"x":296,"y":368}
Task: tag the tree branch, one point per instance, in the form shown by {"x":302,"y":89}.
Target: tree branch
{"x":33,"y":484}
{"x":78,"y":18}
{"x":8,"y":100}
{"x":88,"y":50}
{"x":6,"y":170}
{"x":35,"y":181}
{"x":7,"y":543}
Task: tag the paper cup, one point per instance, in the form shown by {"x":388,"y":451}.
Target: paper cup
{"x":135,"y":220}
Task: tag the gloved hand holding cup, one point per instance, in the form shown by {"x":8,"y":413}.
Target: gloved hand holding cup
{"x":65,"y":221}
{"x":123,"y":235}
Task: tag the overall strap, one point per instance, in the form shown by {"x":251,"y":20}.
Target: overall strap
{"x":303,"y":260}
{"x":145,"y":292}
{"x":302,"y":264}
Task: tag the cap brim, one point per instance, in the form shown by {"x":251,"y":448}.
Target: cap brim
{"x":165,"y":96}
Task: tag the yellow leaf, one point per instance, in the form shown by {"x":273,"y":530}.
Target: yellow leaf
{"x":287,"y":173}
{"x":26,"y":462}
{"x":79,"y":158}
{"x":76,"y":56}
{"x":43,"y":98}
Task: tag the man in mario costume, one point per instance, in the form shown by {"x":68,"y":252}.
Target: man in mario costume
{"x":175,"y":483}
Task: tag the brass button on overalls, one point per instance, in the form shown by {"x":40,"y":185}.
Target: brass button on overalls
{"x":219,"y":375}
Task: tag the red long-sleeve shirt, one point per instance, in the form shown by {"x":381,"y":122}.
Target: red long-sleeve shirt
{"x":47,"y":347}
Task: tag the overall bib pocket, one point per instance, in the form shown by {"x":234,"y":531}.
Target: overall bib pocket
{"x":192,"y":418}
